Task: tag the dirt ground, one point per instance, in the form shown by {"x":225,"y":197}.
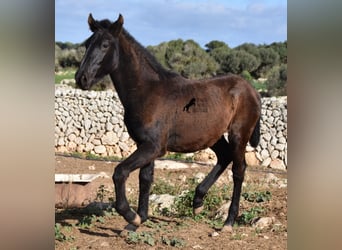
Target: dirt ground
{"x":168,"y":232}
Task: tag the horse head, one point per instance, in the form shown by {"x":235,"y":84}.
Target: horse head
{"x":102,"y":52}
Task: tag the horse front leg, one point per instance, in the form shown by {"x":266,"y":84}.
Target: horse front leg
{"x":144,"y":155}
{"x":145,"y":182}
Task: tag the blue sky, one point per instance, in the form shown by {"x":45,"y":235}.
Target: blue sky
{"x":154,"y":21}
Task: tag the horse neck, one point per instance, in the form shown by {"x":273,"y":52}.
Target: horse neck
{"x":134,"y":73}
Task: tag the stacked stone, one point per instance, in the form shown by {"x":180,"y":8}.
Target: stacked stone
{"x":272,"y":149}
{"x":89,"y":121}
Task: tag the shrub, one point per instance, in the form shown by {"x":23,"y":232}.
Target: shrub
{"x":277,"y":80}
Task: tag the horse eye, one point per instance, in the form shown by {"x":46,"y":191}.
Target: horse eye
{"x":105,"y":45}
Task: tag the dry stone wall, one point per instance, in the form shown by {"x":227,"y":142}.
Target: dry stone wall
{"x":92,"y":122}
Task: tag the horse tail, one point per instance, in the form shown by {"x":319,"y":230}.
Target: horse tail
{"x":255,"y":137}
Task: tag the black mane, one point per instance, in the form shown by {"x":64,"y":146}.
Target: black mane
{"x":145,"y":53}
{"x":163,"y":73}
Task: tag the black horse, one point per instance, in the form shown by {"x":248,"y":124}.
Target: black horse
{"x":162,"y":113}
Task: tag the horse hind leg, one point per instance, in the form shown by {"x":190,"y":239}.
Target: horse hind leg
{"x":238,"y":144}
{"x":224,"y":157}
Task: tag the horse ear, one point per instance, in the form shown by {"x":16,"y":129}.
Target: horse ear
{"x":116,"y":27}
{"x":92,"y":23}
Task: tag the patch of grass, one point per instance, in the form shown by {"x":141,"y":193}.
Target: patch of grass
{"x":66,"y":74}
{"x":212,"y":201}
{"x":173,"y":242}
{"x":260,"y":86}
{"x":90,"y":156}
{"x":257,"y":196}
{"x":141,"y":237}
{"x":87,"y":221}
{"x":59,"y":235}
{"x":164,"y":187}
{"x":178,"y":157}
{"x":248,"y":216}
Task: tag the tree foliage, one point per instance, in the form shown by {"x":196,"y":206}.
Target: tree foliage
{"x":277,"y":80}
{"x":186,"y":58}
{"x":189,"y":59}
{"x":68,"y":56}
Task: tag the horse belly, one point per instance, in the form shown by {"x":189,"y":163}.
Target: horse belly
{"x":200,"y":132}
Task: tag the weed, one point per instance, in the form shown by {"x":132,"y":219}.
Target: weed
{"x":163,"y":187}
{"x":102,"y":193}
{"x":87,"y":221}
{"x":174,"y":242}
{"x":212,"y":201}
{"x":59,"y":235}
{"x":183,"y":204}
{"x":257,"y":196}
{"x":142,"y":237}
{"x":248,"y":216}
{"x":179,"y":157}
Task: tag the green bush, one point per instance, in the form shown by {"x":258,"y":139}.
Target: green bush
{"x":277,"y":80}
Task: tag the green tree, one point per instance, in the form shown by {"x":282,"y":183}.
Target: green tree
{"x":281,"y":49}
{"x":269,"y":58}
{"x":186,"y":58}
{"x":238,"y":61}
{"x":159,"y":52}
{"x":215,"y":45}
{"x":219,"y":51}
{"x":277,"y":80}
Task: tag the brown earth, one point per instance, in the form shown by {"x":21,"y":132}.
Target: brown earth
{"x":165,"y":232}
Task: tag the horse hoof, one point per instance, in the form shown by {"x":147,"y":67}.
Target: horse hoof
{"x":227,"y":228}
{"x":137,"y":220}
{"x":130,"y":228}
{"x":198,"y":210}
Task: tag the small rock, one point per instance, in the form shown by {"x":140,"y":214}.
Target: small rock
{"x":251,"y":159}
{"x":280,"y":146}
{"x":72,"y":137}
{"x":264,"y":222}
{"x":91,"y":167}
{"x":214,"y":234}
{"x":100,"y":149}
{"x":266,"y":162}
{"x":162,"y":201}
{"x":265,"y":154}
{"x":199,"y":177}
{"x":277,"y":164}
{"x":104,"y":244}
{"x":197,"y":247}
{"x":222,"y":212}
{"x":87,"y":124}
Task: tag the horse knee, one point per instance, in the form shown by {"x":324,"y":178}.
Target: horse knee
{"x":146,"y":176}
{"x":119,"y":174}
{"x":239,"y":174}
